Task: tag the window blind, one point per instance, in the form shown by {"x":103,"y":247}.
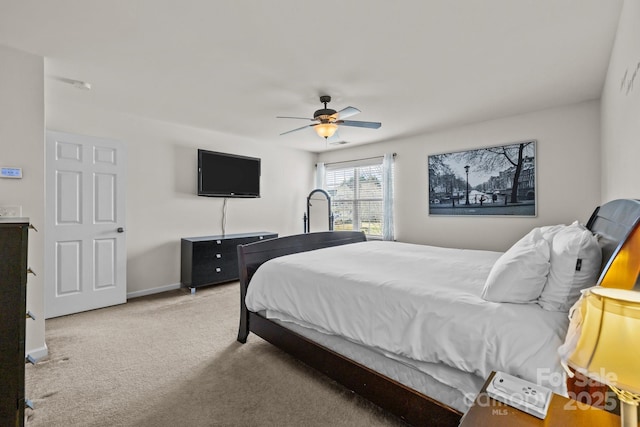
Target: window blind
{"x":357,"y":196}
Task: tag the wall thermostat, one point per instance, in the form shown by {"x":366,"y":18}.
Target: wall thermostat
{"x":6,"y":172}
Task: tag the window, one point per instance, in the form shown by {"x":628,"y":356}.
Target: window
{"x":357,"y":193}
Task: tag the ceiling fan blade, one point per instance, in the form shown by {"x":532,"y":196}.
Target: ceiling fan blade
{"x":358,"y":124}
{"x":348,"y":112}
{"x":297,"y":129}
{"x":287,"y":117}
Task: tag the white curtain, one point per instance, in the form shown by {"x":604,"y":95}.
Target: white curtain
{"x":320,"y":178}
{"x":387,"y":193}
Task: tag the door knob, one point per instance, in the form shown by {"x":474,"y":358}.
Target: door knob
{"x":120,"y":230}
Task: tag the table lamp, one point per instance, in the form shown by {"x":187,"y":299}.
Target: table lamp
{"x":608,"y":349}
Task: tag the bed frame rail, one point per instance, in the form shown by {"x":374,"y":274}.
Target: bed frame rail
{"x":412,"y":406}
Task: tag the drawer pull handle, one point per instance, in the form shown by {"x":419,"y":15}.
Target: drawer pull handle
{"x":30,"y":315}
{"x":30,"y":271}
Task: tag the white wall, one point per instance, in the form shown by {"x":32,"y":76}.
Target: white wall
{"x":621,"y":110}
{"x":568,"y":181}
{"x":162,"y":205}
{"x":22,"y":145}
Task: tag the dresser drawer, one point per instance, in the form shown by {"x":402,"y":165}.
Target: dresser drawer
{"x":215,"y":272}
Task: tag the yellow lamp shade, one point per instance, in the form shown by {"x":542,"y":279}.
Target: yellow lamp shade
{"x":326,"y":130}
{"x":608,"y":349}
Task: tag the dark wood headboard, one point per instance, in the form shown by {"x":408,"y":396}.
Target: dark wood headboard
{"x":617,"y":223}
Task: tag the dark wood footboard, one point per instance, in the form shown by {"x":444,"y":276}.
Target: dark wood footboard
{"x":253,"y":255}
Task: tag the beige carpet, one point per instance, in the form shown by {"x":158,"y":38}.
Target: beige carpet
{"x":172,"y":360}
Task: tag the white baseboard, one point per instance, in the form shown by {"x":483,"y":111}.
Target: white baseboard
{"x":38,"y":353}
{"x":152,"y":291}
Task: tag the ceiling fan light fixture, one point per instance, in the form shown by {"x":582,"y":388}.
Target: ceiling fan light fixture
{"x":326,"y":130}
{"x":327,"y":120}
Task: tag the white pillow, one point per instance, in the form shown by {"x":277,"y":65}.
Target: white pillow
{"x":575,"y":264}
{"x":520,"y":273}
{"x":549,"y":231}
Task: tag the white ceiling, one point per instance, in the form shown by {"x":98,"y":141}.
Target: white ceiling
{"x":233,"y":66}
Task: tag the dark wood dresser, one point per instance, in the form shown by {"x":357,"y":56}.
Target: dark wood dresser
{"x":209,"y":260}
{"x":13,"y":282}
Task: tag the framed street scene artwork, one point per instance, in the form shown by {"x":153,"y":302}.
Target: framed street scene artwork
{"x":498,"y":180}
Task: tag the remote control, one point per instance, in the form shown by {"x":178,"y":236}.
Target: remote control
{"x":524,"y":395}
{"x":518,"y":390}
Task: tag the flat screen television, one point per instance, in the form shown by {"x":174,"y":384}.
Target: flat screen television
{"x":227,"y":175}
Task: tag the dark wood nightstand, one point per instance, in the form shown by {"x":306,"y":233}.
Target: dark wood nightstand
{"x":562,"y":412}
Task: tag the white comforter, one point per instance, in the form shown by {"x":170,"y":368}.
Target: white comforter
{"x":418,"y":302}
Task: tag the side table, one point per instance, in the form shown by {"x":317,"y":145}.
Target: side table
{"x":488,"y":412}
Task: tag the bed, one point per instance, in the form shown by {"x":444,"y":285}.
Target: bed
{"x":407,"y":354}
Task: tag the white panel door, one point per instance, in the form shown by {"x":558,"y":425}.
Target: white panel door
{"x":85,"y":247}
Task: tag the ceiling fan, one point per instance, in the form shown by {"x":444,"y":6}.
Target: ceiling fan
{"x":328,"y":120}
